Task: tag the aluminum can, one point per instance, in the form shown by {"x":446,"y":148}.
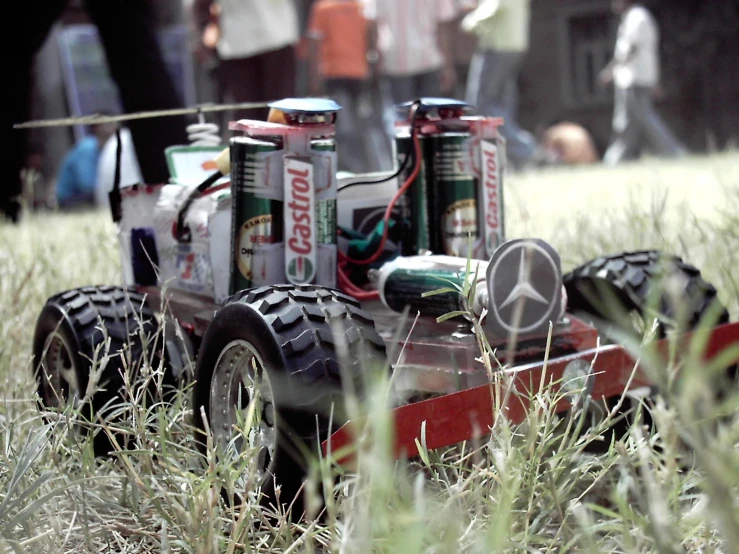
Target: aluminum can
{"x":257,"y":208}
{"x":453,"y":188}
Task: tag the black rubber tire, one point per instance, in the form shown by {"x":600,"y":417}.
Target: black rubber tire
{"x":86,"y":318}
{"x":606,"y":289}
{"x":293,"y":330}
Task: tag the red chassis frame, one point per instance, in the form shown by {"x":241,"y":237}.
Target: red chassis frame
{"x":460,"y":416}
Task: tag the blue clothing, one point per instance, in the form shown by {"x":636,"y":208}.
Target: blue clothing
{"x":78,"y":173}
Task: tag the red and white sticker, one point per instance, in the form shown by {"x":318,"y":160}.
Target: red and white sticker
{"x":492,"y":199}
{"x":300,"y":221}
{"x":193,"y":269}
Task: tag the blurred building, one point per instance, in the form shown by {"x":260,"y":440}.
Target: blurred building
{"x":572,"y":40}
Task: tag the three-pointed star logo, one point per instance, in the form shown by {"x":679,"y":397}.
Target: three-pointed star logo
{"x":524,"y":281}
{"x":523,"y":288}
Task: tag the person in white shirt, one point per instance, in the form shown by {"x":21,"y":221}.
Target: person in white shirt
{"x":635,"y":75}
{"x":502,"y":30}
{"x":413,"y":40}
{"x":256,"y":44}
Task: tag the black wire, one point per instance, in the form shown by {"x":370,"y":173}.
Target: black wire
{"x":183,"y":232}
{"x":411,"y":153}
{"x":114,"y":196}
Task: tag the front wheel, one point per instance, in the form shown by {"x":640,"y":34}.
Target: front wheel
{"x":270,"y":377}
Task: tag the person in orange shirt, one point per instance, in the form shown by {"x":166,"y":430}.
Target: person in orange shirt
{"x":337,"y":49}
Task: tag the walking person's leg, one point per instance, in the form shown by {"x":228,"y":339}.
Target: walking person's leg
{"x":378,"y":144}
{"x":512,"y":64}
{"x":349,"y":145}
{"x":485,"y":83}
{"x":240,"y":80}
{"x":279,"y":73}
{"x":129,"y":35}
{"x":35,"y":22}
{"x":628,"y":127}
{"x":656,"y":133}
{"x":492,"y":87}
{"x":427,"y":84}
{"x":264,"y":77}
{"x":398,"y":89}
{"x":521,"y":144}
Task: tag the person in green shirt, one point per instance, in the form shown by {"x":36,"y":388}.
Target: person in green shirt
{"x":502,"y":30}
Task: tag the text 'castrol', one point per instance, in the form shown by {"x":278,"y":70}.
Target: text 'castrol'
{"x":300,"y":221}
{"x":491,"y":200}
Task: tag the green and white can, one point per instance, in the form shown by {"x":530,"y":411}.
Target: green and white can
{"x":257,"y":210}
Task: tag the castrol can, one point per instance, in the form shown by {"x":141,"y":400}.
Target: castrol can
{"x":257,"y":208}
{"x":454,"y":192}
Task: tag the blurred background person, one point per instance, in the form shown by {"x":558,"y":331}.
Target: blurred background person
{"x":127,"y":31}
{"x":502,"y":30}
{"x":567,"y":143}
{"x":413,"y":42}
{"x":635,"y":75}
{"x":255,"y":41}
{"x":76,"y":185}
{"x":464,"y":46}
{"x":33,"y":185}
{"x":199,"y":15}
{"x":337,"y":52}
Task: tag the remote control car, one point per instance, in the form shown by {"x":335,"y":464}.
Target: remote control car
{"x":288,"y":290}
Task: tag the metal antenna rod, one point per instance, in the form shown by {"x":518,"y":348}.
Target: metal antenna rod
{"x":97,"y":118}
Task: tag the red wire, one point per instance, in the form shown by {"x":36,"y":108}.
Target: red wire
{"x":350,"y":288}
{"x":344,"y":282}
{"x":386,"y":219}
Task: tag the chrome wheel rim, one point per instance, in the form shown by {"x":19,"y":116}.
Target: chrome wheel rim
{"x":61,"y":384}
{"x":240,"y":384}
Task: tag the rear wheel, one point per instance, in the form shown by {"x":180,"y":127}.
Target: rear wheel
{"x":623,"y":295}
{"x":626,"y":292}
{"x":271,"y":374}
{"x":94,"y":332}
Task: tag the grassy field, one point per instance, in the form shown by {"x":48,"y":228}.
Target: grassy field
{"x":529,"y":488}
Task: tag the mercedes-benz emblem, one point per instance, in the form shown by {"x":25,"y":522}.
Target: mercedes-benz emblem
{"x":524,"y":281}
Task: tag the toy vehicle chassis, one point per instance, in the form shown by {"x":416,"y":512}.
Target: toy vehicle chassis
{"x":452,"y":416}
{"x":267,"y":346}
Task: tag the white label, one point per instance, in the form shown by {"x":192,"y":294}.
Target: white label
{"x":491,"y":197}
{"x":300,"y":221}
